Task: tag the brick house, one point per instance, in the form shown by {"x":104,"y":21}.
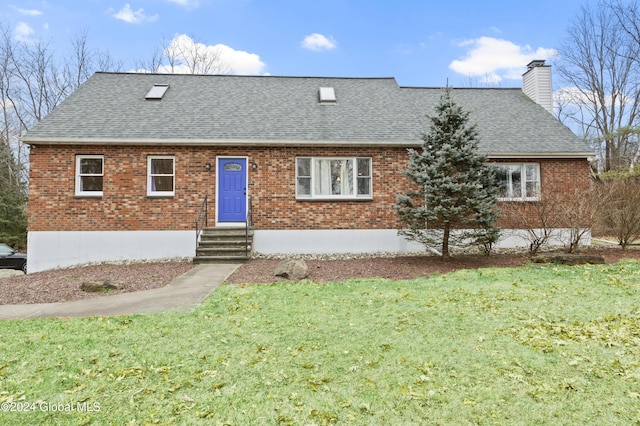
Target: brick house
{"x":121,"y":168}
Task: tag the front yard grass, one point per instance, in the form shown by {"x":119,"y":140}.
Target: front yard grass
{"x":530,"y":345}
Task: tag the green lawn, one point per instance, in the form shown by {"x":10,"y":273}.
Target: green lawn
{"x":532,"y":345}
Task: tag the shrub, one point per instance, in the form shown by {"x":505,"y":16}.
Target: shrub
{"x":617,"y":209}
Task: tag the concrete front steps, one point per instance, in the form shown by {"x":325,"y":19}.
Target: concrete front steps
{"x":224,"y":245}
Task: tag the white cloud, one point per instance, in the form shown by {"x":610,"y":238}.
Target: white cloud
{"x":494,"y":59}
{"x":127,"y":14}
{"x":186,"y":3}
{"x":570,"y":95}
{"x":403,"y":49}
{"x":23,"y":32}
{"x":588,"y":99}
{"x":239,"y":61}
{"x":226,"y":59}
{"x":317,"y":41}
{"x":28,"y":12}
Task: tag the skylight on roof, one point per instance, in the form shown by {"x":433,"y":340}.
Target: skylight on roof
{"x":157,"y":91}
{"x":327,"y":95}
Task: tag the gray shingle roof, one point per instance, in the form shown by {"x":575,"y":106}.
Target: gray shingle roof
{"x":204,"y":109}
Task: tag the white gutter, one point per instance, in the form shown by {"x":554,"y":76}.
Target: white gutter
{"x":280,"y":143}
{"x":507,"y":155}
{"x":210,"y":142}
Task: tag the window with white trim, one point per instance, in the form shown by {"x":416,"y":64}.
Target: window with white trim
{"x":333,"y":178}
{"x":89,"y":175}
{"x":518,"y":181}
{"x":160,"y":176}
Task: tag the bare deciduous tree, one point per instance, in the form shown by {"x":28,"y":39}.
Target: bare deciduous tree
{"x":537,"y":222}
{"x":577,"y":215}
{"x":599,"y":64}
{"x":565,"y":218}
{"x":152,"y":64}
{"x":185,"y":55}
{"x":33,"y":81}
{"x":84,"y":61}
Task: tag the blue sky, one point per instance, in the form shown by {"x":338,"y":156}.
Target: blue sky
{"x":420,"y":42}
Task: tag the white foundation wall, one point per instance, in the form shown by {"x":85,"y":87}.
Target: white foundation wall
{"x":332,"y":241}
{"x":371,"y":241}
{"x":49,"y":250}
{"x":518,"y":238}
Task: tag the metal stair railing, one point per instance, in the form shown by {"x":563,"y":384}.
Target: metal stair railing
{"x":247,"y":225}
{"x":202,"y":220}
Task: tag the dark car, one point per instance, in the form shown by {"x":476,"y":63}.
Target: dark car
{"x":11,"y":259}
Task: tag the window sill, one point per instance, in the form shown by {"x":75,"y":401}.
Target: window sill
{"x":94,"y":196}
{"x":334,"y":199}
{"x":518,"y":200}
{"x":156,"y":197}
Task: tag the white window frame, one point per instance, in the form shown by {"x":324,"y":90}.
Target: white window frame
{"x":355,"y":177}
{"x":155,"y":193}
{"x":523,"y":182}
{"x":79,"y":175}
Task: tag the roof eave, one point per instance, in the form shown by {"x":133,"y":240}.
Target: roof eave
{"x":284,"y":143}
{"x":532,"y":155}
{"x":213,"y":142}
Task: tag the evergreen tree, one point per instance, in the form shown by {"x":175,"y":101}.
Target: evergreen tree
{"x":13,"y":218}
{"x":452,"y":203}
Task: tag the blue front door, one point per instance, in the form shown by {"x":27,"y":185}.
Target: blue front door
{"x":232,"y":189}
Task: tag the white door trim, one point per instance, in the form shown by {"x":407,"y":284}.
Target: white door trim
{"x":246,"y":179}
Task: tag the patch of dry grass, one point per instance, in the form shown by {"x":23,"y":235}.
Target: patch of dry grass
{"x":529,"y":345}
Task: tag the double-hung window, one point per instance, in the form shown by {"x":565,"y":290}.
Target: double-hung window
{"x":518,"y":182}
{"x":161,"y":176}
{"x":333,"y":178}
{"x":89,"y":175}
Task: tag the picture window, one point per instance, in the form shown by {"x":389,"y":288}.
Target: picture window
{"x":518,"y":182}
{"x":333,"y":178}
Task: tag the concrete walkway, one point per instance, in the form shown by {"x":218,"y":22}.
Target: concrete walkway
{"x":183,"y":294}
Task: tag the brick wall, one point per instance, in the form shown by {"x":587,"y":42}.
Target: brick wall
{"x":125,"y":205}
{"x":562,"y":181}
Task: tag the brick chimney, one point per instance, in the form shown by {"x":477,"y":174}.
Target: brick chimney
{"x":536,"y":84}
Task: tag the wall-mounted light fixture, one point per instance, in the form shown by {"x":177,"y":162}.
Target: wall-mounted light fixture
{"x":254,"y":165}
{"x":207,"y":167}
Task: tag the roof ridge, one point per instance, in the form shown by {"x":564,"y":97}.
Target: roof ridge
{"x":299,"y":77}
{"x":460,"y":88}
{"x":245,"y":76}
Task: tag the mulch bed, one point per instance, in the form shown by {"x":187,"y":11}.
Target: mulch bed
{"x":407,"y":267}
{"x":62,"y":285}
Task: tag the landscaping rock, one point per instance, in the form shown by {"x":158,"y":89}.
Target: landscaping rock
{"x":100,"y":286}
{"x":293,"y":269}
{"x":568,"y":259}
